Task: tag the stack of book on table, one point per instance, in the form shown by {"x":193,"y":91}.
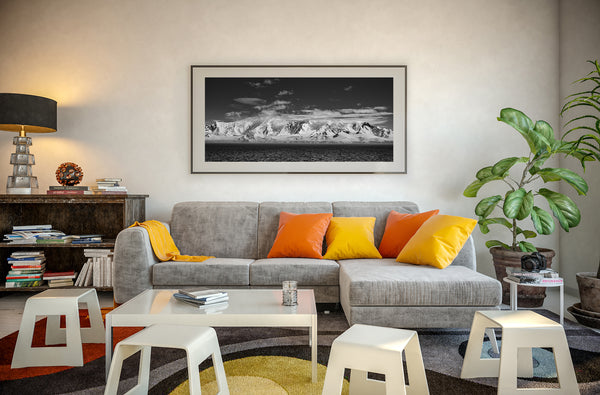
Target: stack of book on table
{"x":109,"y":186}
{"x":26,"y":269}
{"x":98,"y":270}
{"x":542,"y":277}
{"x":60,"y":279}
{"x":69,"y":190}
{"x":207,"y":297}
{"x":29,"y":234}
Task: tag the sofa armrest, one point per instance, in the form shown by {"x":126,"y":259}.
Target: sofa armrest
{"x":133,"y":260}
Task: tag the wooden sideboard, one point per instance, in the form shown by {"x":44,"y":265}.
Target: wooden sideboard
{"x":73,"y":214}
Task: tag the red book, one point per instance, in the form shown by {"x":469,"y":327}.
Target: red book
{"x":22,"y":276}
{"x":58,"y":274}
{"x":64,"y":192}
{"x":14,"y":266}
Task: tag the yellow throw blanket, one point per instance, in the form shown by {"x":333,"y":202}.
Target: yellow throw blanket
{"x":163,"y":245}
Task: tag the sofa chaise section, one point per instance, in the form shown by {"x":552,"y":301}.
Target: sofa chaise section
{"x":389,"y":293}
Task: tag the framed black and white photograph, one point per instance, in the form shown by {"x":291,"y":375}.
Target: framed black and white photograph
{"x":298,"y":119}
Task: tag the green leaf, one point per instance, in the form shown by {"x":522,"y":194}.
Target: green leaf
{"x":521,"y":123}
{"x":484,"y":222}
{"x":526,"y":206}
{"x":496,"y":243}
{"x":487,"y":206}
{"x":542,"y":221}
{"x":572,"y":178}
{"x":484,"y":173}
{"x":543,"y":135}
{"x":528,"y":234}
{"x":501,"y":167}
{"x":527,"y":247}
{"x":563,"y":208}
{"x":518,"y":204}
{"x":472,"y":189}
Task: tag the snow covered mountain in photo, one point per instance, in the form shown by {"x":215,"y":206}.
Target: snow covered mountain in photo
{"x":279,"y":130}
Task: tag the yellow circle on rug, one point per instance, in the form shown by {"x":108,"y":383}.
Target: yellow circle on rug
{"x":272,"y":375}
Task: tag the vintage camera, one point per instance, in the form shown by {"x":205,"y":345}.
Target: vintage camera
{"x":534,"y":262}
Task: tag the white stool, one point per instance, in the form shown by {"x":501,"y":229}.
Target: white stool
{"x":54,"y":303}
{"x":521,"y":331}
{"x":365,"y":348}
{"x":198,"y":342}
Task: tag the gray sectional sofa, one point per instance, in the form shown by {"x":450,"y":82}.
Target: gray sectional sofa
{"x":240,"y":236}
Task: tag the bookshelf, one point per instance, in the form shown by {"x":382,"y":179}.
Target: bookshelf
{"x":72,"y":214}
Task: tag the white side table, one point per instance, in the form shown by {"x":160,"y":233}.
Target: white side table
{"x":521,"y":331}
{"x":54,"y":303}
{"x":198,"y":342}
{"x":367,"y":348}
{"x":513,"y":294}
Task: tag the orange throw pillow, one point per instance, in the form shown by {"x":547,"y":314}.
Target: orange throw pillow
{"x":300,"y":235}
{"x":399,"y":228}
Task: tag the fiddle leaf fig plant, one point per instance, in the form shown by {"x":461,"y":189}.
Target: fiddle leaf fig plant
{"x":522,"y":200}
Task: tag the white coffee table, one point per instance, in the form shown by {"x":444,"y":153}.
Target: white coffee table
{"x":246,"y":307}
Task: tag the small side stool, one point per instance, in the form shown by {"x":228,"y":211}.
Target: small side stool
{"x":366,"y":348}
{"x":521,"y":331}
{"x":54,"y":303}
{"x":198,"y":342}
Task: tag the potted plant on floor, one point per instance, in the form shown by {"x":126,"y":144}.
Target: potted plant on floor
{"x":586,"y":124}
{"x":523,"y":199}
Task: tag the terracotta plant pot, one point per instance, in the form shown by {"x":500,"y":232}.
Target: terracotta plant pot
{"x":527,"y":296}
{"x":589,"y":291}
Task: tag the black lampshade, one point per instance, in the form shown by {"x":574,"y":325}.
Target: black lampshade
{"x":35,"y":113}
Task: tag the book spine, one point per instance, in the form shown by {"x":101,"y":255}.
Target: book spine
{"x":89,"y":274}
{"x":23,"y":284}
{"x":551,"y":281}
{"x":68,"y":187}
{"x":21,"y":267}
{"x":65,"y":192}
{"x":96,"y":273}
{"x":24,"y":277}
{"x":19,"y":280}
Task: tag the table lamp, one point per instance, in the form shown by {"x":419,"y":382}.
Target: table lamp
{"x":25,"y":114}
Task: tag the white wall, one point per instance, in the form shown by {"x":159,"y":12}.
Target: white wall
{"x":580,"y":42}
{"x":120,"y":71}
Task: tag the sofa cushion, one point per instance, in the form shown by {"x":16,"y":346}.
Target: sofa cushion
{"x":268,"y":219}
{"x":306,"y":271}
{"x":350,"y":238}
{"x":379,"y":210}
{"x":399,"y":228}
{"x":300,"y":235}
{"x":385,"y":282}
{"x":215,"y":271}
{"x":438,"y":241}
{"x":221,"y":229}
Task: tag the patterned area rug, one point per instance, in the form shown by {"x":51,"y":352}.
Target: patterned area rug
{"x":276,"y":361}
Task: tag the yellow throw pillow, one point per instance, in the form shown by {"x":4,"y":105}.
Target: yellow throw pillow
{"x":438,"y":241}
{"x":350,"y":238}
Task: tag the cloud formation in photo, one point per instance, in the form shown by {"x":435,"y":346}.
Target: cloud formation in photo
{"x":265,"y":83}
{"x":250,"y":101}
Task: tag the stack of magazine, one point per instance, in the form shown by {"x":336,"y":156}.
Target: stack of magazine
{"x":204,"y":297}
{"x":543,"y":277}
